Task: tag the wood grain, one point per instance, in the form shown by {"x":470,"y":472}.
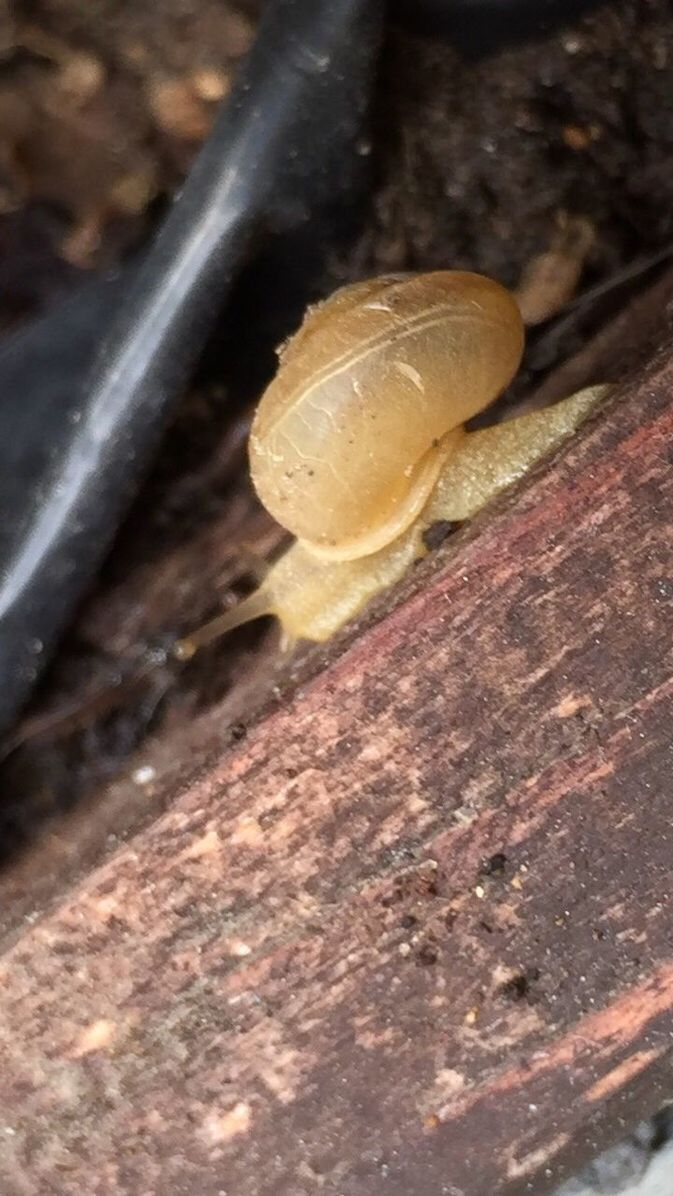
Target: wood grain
{"x":413,"y":934}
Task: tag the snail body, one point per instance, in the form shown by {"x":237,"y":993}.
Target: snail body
{"x":358,"y":446}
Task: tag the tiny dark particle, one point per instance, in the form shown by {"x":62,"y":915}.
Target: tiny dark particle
{"x":494,"y":865}
{"x":427,"y":955}
{"x":518,"y":986}
{"x":514,"y":989}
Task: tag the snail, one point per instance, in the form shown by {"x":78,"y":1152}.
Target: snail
{"x":358,"y":445}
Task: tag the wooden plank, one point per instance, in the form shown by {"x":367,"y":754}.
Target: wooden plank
{"x":154,"y":598}
{"x":413,"y":933}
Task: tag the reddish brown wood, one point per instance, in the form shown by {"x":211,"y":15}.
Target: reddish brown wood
{"x":413,"y":934}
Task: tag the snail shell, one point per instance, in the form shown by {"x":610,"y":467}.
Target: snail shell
{"x":370,"y":398}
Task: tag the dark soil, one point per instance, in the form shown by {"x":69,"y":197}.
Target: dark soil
{"x":475,"y":163}
{"x":481,"y":157}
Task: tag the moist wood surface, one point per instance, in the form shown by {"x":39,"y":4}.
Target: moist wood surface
{"x":413,"y":933}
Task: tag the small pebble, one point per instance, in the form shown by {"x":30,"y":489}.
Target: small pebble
{"x":144,"y":775}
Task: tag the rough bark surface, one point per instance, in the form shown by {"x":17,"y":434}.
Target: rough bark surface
{"x":413,"y":933}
